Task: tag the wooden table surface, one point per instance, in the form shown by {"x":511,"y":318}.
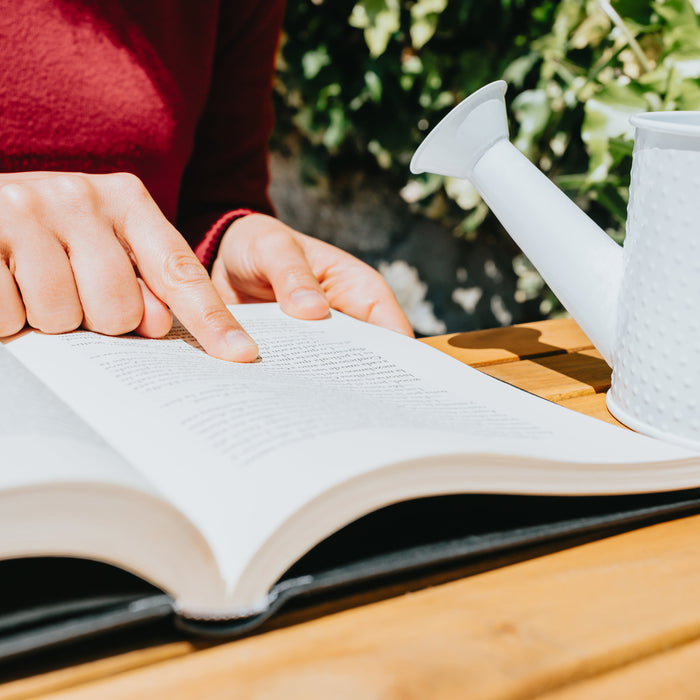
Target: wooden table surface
{"x":614,"y":618}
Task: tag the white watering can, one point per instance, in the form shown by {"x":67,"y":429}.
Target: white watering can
{"x":639,"y":305}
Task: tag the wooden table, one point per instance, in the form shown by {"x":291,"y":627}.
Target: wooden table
{"x":615,"y":618}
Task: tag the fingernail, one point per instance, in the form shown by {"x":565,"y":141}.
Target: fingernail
{"x":241,"y":346}
{"x":307,"y":297}
{"x":402,"y":331}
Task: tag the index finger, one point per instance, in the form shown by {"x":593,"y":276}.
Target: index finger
{"x":175,"y":275}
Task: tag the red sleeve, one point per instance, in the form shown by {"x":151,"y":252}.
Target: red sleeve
{"x":227,"y":175}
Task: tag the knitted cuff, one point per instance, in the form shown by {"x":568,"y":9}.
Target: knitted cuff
{"x":208,"y":247}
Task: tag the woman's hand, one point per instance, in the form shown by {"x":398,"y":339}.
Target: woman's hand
{"x":96,"y":251}
{"x":262,"y":259}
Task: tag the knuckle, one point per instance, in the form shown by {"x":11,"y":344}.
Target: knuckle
{"x":298,"y":276}
{"x":15,"y":196}
{"x":129,"y":184}
{"x":182,"y":268}
{"x":72,"y":188}
{"x":216,"y":317}
{"x":126,"y":197}
{"x":274,"y":240}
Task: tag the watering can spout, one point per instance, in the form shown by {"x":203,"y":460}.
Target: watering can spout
{"x":577,"y":259}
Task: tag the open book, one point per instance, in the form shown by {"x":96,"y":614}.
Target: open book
{"x":209,"y":479}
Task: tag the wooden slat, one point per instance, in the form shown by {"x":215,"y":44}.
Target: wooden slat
{"x":591,"y":405}
{"x":669,"y":675}
{"x":70,"y":676}
{"x":556,"y":377}
{"x":513,"y":633}
{"x":487,"y":347}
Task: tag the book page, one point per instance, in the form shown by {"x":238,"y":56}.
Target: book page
{"x":306,"y":385}
{"x":43,"y":441}
{"x":240,"y":448}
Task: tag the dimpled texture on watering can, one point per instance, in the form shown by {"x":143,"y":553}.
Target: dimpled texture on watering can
{"x":657,"y":354}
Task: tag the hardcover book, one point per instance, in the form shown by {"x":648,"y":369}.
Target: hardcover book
{"x":346,"y":454}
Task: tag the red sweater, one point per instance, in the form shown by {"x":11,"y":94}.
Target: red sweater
{"x":176,"y":91}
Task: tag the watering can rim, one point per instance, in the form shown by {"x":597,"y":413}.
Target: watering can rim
{"x":677,"y":122}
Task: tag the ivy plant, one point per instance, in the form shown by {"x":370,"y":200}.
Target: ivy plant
{"x":360,"y":77}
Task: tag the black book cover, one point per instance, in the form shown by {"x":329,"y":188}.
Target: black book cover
{"x":46,"y":602}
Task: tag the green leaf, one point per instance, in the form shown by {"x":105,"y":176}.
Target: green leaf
{"x":462,"y":192}
{"x":313,"y":61}
{"x":424,"y":20}
{"x":689,"y":95}
{"x":607,"y":116}
{"x":533,"y":111}
{"x":639,"y":12}
{"x":335,"y":132}
{"x":474,"y":219}
{"x":374,"y":86}
{"x":516,"y":72}
{"x":380,"y":19}
{"x":613,"y":201}
{"x":382,"y":155}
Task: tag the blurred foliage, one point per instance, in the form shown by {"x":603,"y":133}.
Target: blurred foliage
{"x":373,"y":76}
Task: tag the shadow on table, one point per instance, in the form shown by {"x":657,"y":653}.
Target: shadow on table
{"x":525,"y":344}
